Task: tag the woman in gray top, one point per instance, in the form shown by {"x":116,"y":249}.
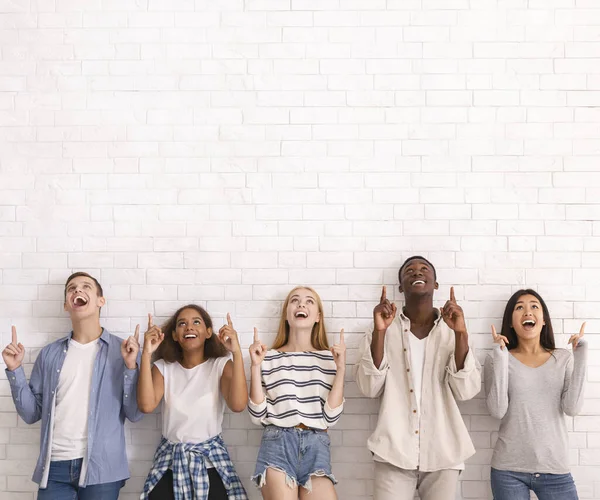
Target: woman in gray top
{"x":530,"y":384}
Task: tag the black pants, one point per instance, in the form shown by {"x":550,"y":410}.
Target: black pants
{"x":164,"y":488}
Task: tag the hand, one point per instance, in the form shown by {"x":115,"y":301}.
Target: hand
{"x":258,"y":350}
{"x":339,"y":353}
{"x":576,"y":338}
{"x":13,"y":353}
{"x":384,"y":313}
{"x":153,"y":337}
{"x":130,"y":348}
{"x":229,"y":337}
{"x":501,"y":340}
{"x":453,"y":315}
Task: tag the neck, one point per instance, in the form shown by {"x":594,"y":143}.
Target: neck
{"x":529,"y":346}
{"x":299,"y":340}
{"x":191,"y":359}
{"x":419,"y":309}
{"x":86,"y":330}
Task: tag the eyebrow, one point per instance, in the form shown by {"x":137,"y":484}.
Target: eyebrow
{"x":86,"y":282}
{"x":534,"y":301}
{"x":183,"y":319}
{"x":410,"y":266}
{"x":296,"y":295}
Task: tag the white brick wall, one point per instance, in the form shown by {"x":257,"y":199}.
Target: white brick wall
{"x":223,"y":151}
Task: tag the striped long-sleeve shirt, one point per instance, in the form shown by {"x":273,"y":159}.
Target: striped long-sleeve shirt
{"x":296,"y":385}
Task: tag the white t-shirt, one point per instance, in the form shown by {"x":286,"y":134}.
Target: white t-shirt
{"x":69,"y":437}
{"x":417,"y":362}
{"x":193,"y":406}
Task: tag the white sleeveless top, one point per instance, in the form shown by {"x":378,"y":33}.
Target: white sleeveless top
{"x":193,"y":406}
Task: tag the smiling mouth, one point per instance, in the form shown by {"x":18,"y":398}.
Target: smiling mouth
{"x":418,"y":282}
{"x":190,"y":336}
{"x":301,"y":314}
{"x":528,"y":324}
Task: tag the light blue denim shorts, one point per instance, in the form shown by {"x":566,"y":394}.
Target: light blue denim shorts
{"x":299,"y":453}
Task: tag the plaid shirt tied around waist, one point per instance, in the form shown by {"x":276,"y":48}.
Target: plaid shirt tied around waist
{"x":190,"y":476}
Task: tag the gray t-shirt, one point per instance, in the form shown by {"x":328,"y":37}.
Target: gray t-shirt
{"x":532,"y":403}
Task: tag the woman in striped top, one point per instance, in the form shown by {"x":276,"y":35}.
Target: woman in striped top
{"x":297,"y":393}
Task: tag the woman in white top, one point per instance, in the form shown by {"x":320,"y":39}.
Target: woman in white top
{"x":297,"y":393}
{"x":193,"y":373}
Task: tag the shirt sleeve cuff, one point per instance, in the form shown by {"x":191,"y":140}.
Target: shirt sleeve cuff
{"x":257,"y":410}
{"x":369,"y":365}
{"x":332,"y":414}
{"x":130,"y":378}
{"x":470,"y":365}
{"x":16,"y":378}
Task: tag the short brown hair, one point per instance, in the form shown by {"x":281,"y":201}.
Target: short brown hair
{"x":85,"y":275}
{"x":171,"y":351}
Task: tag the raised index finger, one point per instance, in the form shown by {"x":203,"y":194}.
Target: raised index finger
{"x":494,"y":334}
{"x":255,"y":334}
{"x":14,"y":334}
{"x":342,"y":336}
{"x":150,"y":323}
{"x":229,"y":320}
{"x":452,"y":296}
{"x":137,"y":333}
{"x":382,"y":299}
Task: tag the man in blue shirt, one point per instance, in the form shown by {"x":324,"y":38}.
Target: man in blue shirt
{"x":82,"y":387}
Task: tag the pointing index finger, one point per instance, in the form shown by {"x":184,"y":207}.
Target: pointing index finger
{"x":229,"y":320}
{"x":137,"y":333}
{"x":342,"y":336}
{"x":150,"y":323}
{"x":14,"y":334}
{"x":494,"y":334}
{"x":256,"y":334}
{"x":383,"y":295}
{"x":452,"y":296}
{"x":581,"y":330}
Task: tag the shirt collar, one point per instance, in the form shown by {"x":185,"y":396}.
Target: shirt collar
{"x":104,"y":336}
{"x":405,"y":318}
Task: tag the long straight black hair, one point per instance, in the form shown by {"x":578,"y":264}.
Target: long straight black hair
{"x":547,"y":335}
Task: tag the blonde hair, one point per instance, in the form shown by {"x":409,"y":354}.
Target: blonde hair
{"x":318,"y":336}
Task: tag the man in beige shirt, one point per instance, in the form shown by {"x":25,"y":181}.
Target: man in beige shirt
{"x":419,"y":363}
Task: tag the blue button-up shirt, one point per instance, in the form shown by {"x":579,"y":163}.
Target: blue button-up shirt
{"x":113,"y":397}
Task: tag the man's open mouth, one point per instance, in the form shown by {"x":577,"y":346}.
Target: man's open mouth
{"x":80,"y":301}
{"x":418,"y":282}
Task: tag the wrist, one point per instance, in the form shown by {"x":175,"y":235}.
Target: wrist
{"x":131,"y":366}
{"x":461,"y":333}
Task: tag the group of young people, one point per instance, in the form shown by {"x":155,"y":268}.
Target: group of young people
{"x":416,"y":360}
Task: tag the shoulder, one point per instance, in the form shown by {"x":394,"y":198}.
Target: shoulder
{"x":562,"y":355}
{"x":54,"y":347}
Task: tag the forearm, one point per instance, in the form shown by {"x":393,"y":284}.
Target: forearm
{"x":461,"y":349}
{"x":336,"y":395}
{"x":257,"y":395}
{"x":146,"y":398}
{"x":238,"y":390}
{"x":377,"y":347}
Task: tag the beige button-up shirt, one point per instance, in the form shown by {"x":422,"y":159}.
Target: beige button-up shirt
{"x":440,"y":440}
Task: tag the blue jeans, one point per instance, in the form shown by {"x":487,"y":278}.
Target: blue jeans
{"x":508,"y":485}
{"x":63,"y":481}
{"x":298,"y":453}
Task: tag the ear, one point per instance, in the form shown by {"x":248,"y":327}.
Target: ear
{"x":173,"y":335}
{"x":318,"y":317}
{"x":400,"y":289}
{"x":209,"y":333}
{"x":436,"y":286}
{"x":65,"y":306}
{"x":101,"y":301}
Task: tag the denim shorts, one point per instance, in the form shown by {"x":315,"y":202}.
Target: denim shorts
{"x":299,"y":453}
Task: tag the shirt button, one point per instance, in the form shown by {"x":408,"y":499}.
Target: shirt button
{"x":64,"y":350}
{"x":405,"y":349}
{"x":416,"y":432}
{"x":57,"y":371}
{"x":125,"y":395}
{"x":414,"y":411}
{"x":411,"y":390}
{"x":408,"y":369}
{"x":14,"y":378}
{"x":405,"y":330}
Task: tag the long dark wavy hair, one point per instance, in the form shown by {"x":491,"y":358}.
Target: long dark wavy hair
{"x":547,"y":334}
{"x":171,"y":351}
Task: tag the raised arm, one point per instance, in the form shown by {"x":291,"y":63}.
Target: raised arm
{"x":151,"y":384}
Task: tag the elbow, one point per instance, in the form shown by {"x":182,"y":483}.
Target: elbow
{"x":145,"y":407}
{"x":572,"y":411}
{"x":497,"y":410}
